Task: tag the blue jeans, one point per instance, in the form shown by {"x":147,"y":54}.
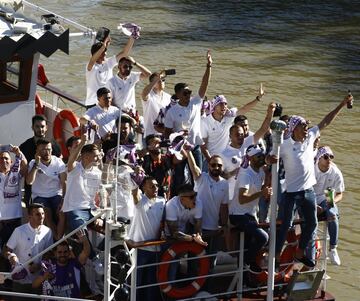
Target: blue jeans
{"x":147,"y":275}
{"x":255,"y":237}
{"x":305,"y":200}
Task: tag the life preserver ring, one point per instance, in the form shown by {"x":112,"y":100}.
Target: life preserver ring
{"x":174,"y":251}
{"x":39,"y":105}
{"x":58,"y":128}
{"x":286,"y":262}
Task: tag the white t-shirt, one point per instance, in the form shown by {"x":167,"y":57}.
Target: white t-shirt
{"x":26,"y":242}
{"x":252,"y":181}
{"x":151,"y":109}
{"x":332,"y":178}
{"x":213,"y":194}
{"x":298,"y":158}
{"x":97,"y":78}
{"x":216,"y":133}
{"x":175,"y":211}
{"x":10,"y":205}
{"x":178,"y":114}
{"x":47,"y":181}
{"x":147,"y":220}
{"x":81,"y":187}
{"x":123,"y":91}
{"x":105,"y":119}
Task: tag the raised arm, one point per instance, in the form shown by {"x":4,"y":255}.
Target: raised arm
{"x":126,"y":50}
{"x":74,"y":154}
{"x":98,"y":53}
{"x":195,"y":170}
{"x":146,"y":91}
{"x":23,"y":162}
{"x":247,"y":107}
{"x":331,"y":116}
{"x":145,"y":72}
{"x":266,"y":123}
{"x":85,"y":253}
{"x":31,"y":175}
{"x":245,"y":197}
{"x":206,"y":76}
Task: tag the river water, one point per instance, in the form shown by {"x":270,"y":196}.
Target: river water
{"x":306,"y":53}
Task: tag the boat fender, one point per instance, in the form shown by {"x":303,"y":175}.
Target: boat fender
{"x":39,"y":105}
{"x":173,"y":252}
{"x":58,"y":128}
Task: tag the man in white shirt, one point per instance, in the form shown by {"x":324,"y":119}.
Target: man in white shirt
{"x":102,"y":117}
{"x":244,"y":205}
{"x":46,"y":174}
{"x":11,"y":174}
{"x":149,"y":209}
{"x":122,"y":85}
{"x":100,"y":68}
{"x":154,"y":98}
{"x":214,"y":191}
{"x":27,"y":241}
{"x":328,"y":175}
{"x":215,"y":127}
{"x":297,"y":153}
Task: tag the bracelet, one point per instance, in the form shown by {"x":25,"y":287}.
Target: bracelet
{"x":135,"y":64}
{"x":258,"y":98}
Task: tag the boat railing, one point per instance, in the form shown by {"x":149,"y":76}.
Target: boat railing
{"x":236,"y":286}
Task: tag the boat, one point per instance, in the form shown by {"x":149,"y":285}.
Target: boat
{"x":25,"y":90}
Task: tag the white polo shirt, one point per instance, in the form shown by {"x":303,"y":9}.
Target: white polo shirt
{"x":151,"y":109}
{"x":147,"y":219}
{"x":47,"y":180}
{"x":123,"y":90}
{"x":97,"y":78}
{"x":216,"y":133}
{"x":213,"y":194}
{"x":298,"y":158}
{"x":26,"y":242}
{"x":105,"y":119}
{"x":175,"y":211}
{"x":253,"y":181}
{"x":178,"y":114}
{"x":81,"y":188}
{"x":332,"y":178}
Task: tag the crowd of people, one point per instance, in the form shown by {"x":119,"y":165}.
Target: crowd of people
{"x":201,"y":171}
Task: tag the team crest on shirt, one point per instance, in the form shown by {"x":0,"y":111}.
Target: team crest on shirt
{"x":234,"y":160}
{"x":12,"y":180}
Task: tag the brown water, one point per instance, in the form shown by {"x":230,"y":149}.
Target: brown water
{"x":306,"y":53}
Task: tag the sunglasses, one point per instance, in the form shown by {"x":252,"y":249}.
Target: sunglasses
{"x":192,"y":197}
{"x":187,"y":92}
{"x":327,"y":157}
{"x":126,"y":66}
{"x":213,"y":165}
{"x":163,"y":80}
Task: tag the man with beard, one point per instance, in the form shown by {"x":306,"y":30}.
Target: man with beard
{"x":28,"y":148}
{"x":243,"y":208}
{"x":214,"y":192}
{"x":61,"y":277}
{"x":83,"y":182}
{"x":122,"y":85}
{"x":46,"y":174}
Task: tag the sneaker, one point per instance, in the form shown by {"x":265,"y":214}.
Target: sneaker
{"x":306,"y":261}
{"x":334,"y":257}
{"x":98,"y":265}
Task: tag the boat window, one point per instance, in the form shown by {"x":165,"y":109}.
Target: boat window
{"x":15,"y":80}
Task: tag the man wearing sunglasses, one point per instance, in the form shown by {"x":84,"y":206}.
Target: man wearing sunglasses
{"x":328,"y":175}
{"x":297,"y":153}
{"x":122,"y":85}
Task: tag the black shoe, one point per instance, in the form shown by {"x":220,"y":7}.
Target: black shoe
{"x":254,"y":268}
{"x":306,"y":261}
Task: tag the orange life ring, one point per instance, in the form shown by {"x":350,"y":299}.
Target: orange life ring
{"x":58,"y":128}
{"x":39,"y":105}
{"x":174,"y":251}
{"x":286,"y":262}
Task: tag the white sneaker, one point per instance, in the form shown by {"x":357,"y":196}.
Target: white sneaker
{"x":334,"y":257}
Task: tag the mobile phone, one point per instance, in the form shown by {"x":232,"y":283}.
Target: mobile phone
{"x":278,"y":110}
{"x":5,"y":148}
{"x":102,"y":34}
{"x":170,"y":72}
{"x":349,"y":104}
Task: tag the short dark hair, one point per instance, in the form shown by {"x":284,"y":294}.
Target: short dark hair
{"x":126,"y":119}
{"x":284,"y":118}
{"x":63,"y":243}
{"x":89,"y":148}
{"x":185,"y":188}
{"x":149,"y":137}
{"x":214,"y":157}
{"x":240,"y":118}
{"x":180,"y":86}
{"x":38,"y":117}
{"x":102,"y":91}
{"x":42,"y":141}
{"x":146,"y":178}
{"x":71,"y":140}
{"x":123,"y":59}
{"x":233,"y":127}
{"x":95,"y":47}
{"x":34,"y":206}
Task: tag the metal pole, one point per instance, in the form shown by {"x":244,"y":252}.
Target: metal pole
{"x":133,"y":276}
{"x":107,"y":259}
{"x":277,"y":127}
